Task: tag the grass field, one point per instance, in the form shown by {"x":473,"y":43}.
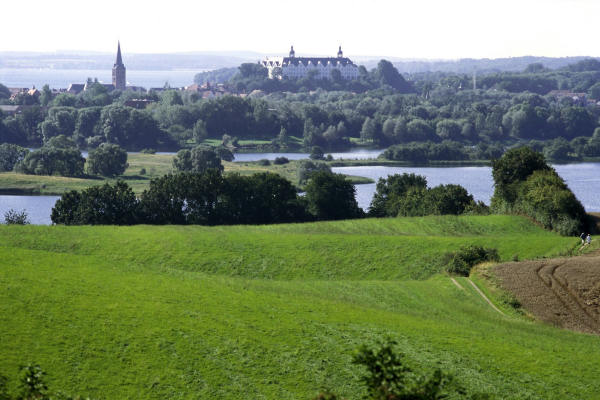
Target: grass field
{"x":272,"y":311}
{"x":155,"y":165}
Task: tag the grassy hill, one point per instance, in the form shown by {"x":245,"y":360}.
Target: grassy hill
{"x":272,"y":311}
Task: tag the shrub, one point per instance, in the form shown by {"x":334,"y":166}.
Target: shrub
{"x":264,"y":162}
{"x":143,"y":171}
{"x":148,"y":151}
{"x":280,"y":160}
{"x":462,"y":261}
{"x":12,"y":217}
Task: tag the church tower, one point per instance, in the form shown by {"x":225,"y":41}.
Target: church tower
{"x":118,"y":71}
{"x":340,"y":53}
{"x":292,"y":52}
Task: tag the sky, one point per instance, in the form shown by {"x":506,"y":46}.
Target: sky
{"x":420,"y":29}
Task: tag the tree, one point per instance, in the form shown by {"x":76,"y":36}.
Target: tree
{"x":389,"y":189}
{"x":98,"y":205}
{"x":514,"y":167}
{"x":316,"y":153}
{"x":369,"y":131}
{"x":183,"y":198}
{"x":199,"y":131}
{"x":199,"y":159}
{"x":4,"y":92}
{"x":107,"y":160}
{"x":10,"y":155}
{"x":331,"y":197}
{"x":52,"y":161}
{"x":46,"y":96}
{"x":387,"y":74}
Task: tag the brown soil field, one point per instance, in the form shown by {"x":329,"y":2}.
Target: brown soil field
{"x":563,"y":291}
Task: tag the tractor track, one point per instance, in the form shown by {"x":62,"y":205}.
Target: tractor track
{"x":564,"y":291}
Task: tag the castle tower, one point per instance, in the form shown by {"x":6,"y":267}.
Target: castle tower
{"x":292,"y":52}
{"x":118,"y":71}
{"x":340,"y":53}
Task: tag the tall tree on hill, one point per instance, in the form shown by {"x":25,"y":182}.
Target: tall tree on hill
{"x":387,"y":74}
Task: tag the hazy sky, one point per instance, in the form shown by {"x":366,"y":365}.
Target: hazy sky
{"x":407,"y":29}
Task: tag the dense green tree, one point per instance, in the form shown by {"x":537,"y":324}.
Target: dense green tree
{"x":98,"y":205}
{"x":199,"y":159}
{"x":389,"y":189}
{"x":10,"y":155}
{"x":52,"y":161}
{"x":107,"y":160}
{"x":4,"y":92}
{"x":387,"y":74}
{"x":331,"y":197}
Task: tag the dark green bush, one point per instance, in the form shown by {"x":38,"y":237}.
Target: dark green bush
{"x":462,"y":261}
{"x":280,"y":160}
{"x":264,"y":162}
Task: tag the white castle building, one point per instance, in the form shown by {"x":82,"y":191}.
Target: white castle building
{"x":298,"y":67}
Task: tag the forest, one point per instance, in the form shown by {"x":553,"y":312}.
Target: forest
{"x":551,"y":110}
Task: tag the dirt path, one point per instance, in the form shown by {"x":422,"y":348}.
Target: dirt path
{"x":564,"y":291}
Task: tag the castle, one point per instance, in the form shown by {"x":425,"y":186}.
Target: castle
{"x":298,"y":67}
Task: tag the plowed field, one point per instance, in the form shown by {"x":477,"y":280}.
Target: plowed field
{"x":562,"y":291}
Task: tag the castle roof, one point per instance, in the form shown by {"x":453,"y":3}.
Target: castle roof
{"x":280,"y":62}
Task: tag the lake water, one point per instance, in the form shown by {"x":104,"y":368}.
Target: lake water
{"x":348,"y":155}
{"x":38,"y":207}
{"x":61,"y":78}
{"x":583,"y":179}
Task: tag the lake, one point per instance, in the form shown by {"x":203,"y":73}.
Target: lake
{"x":583,"y":179}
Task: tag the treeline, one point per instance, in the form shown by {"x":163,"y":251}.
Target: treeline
{"x":556,"y":150}
{"x":210,"y":198}
{"x":443,"y":108}
{"x":60,"y":156}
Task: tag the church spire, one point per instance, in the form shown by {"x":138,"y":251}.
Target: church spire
{"x":292,"y":52}
{"x":119,"y":59}
{"x":340,"y":53}
{"x":119,"y":79}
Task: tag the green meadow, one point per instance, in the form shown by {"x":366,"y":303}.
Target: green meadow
{"x":274,"y":312}
{"x":153,"y":166}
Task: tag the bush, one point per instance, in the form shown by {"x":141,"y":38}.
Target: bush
{"x":280,"y":160}
{"x":142,"y":171}
{"x":148,"y":151}
{"x":462,"y":261}
{"x":12,"y":217}
{"x":264,"y":162}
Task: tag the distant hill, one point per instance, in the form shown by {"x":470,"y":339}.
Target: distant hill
{"x":485,"y":65}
